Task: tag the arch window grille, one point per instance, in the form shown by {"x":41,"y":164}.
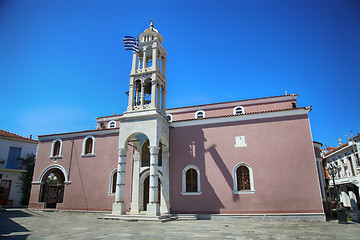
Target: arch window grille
{"x":191,"y":181}
{"x":239,"y":110}
{"x":243,"y":179}
{"x":169,"y":117}
{"x":56,"y":149}
{"x":88,"y":146}
{"x":200,"y":114}
{"x":112,"y":124}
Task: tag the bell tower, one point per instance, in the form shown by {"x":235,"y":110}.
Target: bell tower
{"x":144,"y":129}
{"x":147,"y":88}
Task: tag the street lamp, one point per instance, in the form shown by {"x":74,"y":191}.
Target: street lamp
{"x":341,"y":213}
{"x":332,"y":170}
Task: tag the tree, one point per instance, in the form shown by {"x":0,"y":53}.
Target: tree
{"x":26,"y":177}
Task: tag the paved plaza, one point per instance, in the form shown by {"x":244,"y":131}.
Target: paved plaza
{"x":29,"y":224}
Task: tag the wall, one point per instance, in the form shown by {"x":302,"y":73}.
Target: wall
{"x":5,"y":144}
{"x":89,"y":176}
{"x":279,"y":150}
{"x":14,"y":174}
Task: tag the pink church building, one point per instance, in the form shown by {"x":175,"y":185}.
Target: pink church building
{"x":232,"y":159}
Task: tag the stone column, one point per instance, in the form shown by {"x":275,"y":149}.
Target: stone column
{"x":165,"y":205}
{"x":135,"y":185}
{"x":144,"y":60}
{"x":119,"y":205}
{"x":131,"y":95}
{"x":153,"y":91}
{"x":158,"y":96}
{"x":154,"y":57}
{"x":134,"y":61}
{"x":164,"y":67}
{"x":153,"y":208}
{"x":163,"y":99}
{"x":142,"y":98}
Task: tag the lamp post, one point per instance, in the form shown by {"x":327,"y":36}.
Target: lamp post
{"x":341,"y":213}
{"x":333,"y":171}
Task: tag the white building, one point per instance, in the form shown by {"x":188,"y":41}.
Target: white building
{"x":13,"y":147}
{"x":347,"y":178}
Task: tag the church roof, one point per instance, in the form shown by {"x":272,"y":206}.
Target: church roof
{"x":245,"y":114}
{"x":208,"y":104}
{"x":6,"y":134}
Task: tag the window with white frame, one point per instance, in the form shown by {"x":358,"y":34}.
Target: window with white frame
{"x":169,"y":117}
{"x":243,"y":179}
{"x":191,"y":181}
{"x":239,"y":110}
{"x":113,"y":178}
{"x":200,"y":114}
{"x":88,"y":146}
{"x":56,"y":149}
{"x":112,"y":124}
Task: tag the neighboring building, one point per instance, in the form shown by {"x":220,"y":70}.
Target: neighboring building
{"x":347,"y":179}
{"x":251,"y":157}
{"x":321,"y":174}
{"x":13,"y":147}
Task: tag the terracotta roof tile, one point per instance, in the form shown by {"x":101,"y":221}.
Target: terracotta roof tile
{"x":213,"y":104}
{"x":232,"y":115}
{"x":335,"y":149}
{"x":13,"y":135}
{"x":233,"y":101}
{"x":85,"y":131}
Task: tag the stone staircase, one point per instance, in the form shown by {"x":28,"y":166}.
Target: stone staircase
{"x":140,"y":217}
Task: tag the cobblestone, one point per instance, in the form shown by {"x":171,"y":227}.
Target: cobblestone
{"x":30,"y":224}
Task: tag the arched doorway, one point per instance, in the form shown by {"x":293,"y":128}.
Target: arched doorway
{"x":52,"y":191}
{"x":146,"y":187}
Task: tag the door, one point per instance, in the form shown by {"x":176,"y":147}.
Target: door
{"x":5,"y":186}
{"x":146,"y":191}
{"x":53,"y":195}
{"x":13,"y":158}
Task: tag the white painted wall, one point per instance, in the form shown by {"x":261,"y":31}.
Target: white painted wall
{"x":12,"y":174}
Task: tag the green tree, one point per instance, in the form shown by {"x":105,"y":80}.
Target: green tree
{"x":26,"y":177}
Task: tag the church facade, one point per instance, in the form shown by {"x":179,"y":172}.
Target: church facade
{"x":248,"y":157}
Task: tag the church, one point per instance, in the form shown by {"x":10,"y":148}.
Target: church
{"x":251,"y":157}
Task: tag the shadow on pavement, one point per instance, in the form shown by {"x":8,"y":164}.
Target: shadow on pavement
{"x":9,"y":226}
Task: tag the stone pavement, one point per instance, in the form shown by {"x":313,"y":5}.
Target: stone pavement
{"x":29,"y":224}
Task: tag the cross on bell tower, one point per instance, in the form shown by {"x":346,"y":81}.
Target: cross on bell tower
{"x":147,"y":88}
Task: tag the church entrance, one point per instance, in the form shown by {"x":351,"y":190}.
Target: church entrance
{"x":53,"y":189}
{"x":146,"y":187}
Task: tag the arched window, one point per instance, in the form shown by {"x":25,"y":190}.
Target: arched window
{"x":137,"y":92}
{"x":200,"y":114}
{"x":88,"y":146}
{"x":112,"y":124}
{"x":243,"y":179}
{"x":56,"y":149}
{"x":145,"y":154}
{"x":113,"y":178}
{"x":169,"y":117}
{"x":239,"y":110}
{"x":160,"y":155}
{"x":191,"y":181}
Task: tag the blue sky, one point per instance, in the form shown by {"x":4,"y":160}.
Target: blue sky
{"x":62,"y":63}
